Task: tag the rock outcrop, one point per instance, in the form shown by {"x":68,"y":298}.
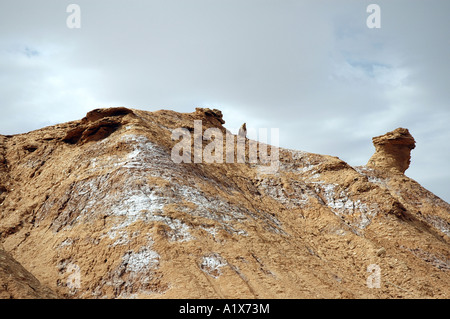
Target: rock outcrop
{"x":393,"y":151}
{"x":214,"y":114}
{"x":101,"y":197}
{"x":243,"y":130}
{"x":97,"y":125}
{"x":17,"y":283}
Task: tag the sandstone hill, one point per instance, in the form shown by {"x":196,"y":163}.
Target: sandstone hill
{"x":97,"y":208}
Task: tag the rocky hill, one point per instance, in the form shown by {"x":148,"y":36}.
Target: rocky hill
{"x":97,"y":208}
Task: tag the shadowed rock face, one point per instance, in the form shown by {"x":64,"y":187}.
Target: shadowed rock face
{"x":393,"y":151}
{"x":17,"y":283}
{"x":97,"y":125}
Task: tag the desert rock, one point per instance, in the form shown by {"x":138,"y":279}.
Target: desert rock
{"x":102,"y":196}
{"x":211,"y":113}
{"x":243,"y":130}
{"x":393,"y":151}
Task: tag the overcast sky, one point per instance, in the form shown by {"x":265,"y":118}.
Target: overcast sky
{"x":311,"y":68}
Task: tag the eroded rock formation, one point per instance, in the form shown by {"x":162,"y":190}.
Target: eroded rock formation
{"x":393,"y":151}
{"x":102,"y":195}
{"x":243,"y":130}
{"x":209,"y":114}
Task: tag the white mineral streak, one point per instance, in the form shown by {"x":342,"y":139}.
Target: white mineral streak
{"x":212,"y":264}
{"x":141,"y":261}
{"x":138,"y":200}
{"x":343,"y":206}
{"x":354,"y":211}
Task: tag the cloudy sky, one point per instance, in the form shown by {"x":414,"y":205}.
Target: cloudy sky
{"x":311,"y":68}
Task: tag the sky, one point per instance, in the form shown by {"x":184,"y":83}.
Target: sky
{"x":312,"y":68}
